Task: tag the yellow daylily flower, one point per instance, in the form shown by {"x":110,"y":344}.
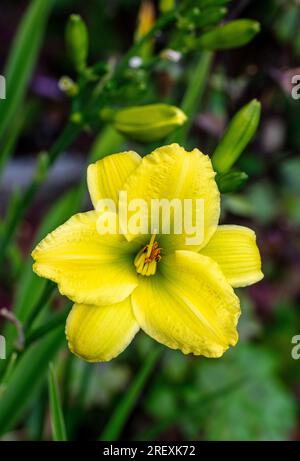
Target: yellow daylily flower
{"x":181,"y":295}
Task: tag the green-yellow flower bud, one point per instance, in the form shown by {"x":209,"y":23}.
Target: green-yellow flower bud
{"x":237,"y":135}
{"x":76,"y":118}
{"x":232,"y":35}
{"x":77,"y":42}
{"x":148,"y":123}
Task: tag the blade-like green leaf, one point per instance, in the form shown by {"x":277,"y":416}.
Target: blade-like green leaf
{"x":22,"y":58}
{"x":30,"y":370}
{"x":31,"y":287}
{"x":27,"y":378}
{"x":29,"y":292}
{"x":231,"y":181}
{"x":57,"y":419}
{"x":118,"y":419}
{"x":52,"y":322}
{"x":10,"y":142}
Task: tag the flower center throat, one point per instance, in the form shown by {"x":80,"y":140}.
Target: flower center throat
{"x":147,"y":258}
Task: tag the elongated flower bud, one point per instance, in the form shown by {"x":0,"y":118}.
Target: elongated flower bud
{"x":146,"y":19}
{"x":77,"y":41}
{"x":232,"y":35}
{"x":231,"y":181}
{"x":237,"y":135}
{"x":148,"y":123}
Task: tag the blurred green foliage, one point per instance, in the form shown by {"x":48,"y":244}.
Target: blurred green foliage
{"x":237,"y":398}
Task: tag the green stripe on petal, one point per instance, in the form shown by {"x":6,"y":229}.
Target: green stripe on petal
{"x":100,"y":333}
{"x":189,"y":306}
{"x":106,"y":177}
{"x":234,"y":249}
{"x":170,"y":172}
{"x":89,"y":268}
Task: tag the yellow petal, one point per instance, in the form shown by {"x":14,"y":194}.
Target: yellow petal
{"x":106,"y":177}
{"x":234,"y":249}
{"x":89,"y":268}
{"x":100,"y":333}
{"x":189,"y":305}
{"x":170,"y":172}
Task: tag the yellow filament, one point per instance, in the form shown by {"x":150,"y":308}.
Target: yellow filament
{"x":146,"y":260}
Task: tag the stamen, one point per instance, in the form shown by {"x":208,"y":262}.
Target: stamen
{"x":151,"y":245}
{"x":147,"y":258}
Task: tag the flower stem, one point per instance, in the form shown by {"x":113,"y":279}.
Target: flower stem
{"x":57,"y":418}
{"x":193,"y":95}
{"x":162,"y":22}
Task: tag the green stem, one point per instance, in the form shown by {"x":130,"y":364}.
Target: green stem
{"x":66,"y":138}
{"x":194,"y":93}
{"x":11,"y":140}
{"x":51,"y":324}
{"x":121,"y":414}
{"x":162,"y":22}
{"x":8,"y":371}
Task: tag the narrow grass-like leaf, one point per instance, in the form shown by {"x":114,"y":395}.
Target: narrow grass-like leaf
{"x":22,"y":58}
{"x":31,"y":287}
{"x":118,"y":419}
{"x":56,"y":320}
{"x":57,"y":419}
{"x":30,"y":290}
{"x":192,"y":98}
{"x":231,"y":181}
{"x":8,"y":371}
{"x":10,"y":141}
{"x":27,"y":378}
{"x":29,"y":372}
